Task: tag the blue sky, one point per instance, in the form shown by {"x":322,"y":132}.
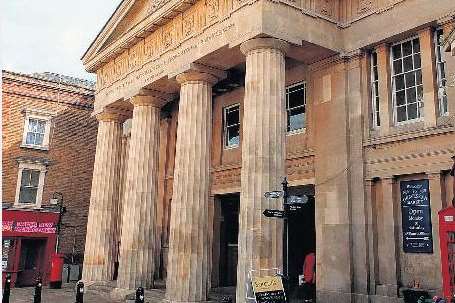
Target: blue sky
{"x":50,"y":35}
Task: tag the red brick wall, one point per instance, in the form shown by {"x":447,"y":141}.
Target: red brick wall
{"x":71,"y":147}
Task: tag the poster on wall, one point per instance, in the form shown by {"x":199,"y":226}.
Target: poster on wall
{"x":416,"y":216}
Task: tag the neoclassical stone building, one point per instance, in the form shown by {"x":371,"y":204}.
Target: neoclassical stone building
{"x":205,"y":105}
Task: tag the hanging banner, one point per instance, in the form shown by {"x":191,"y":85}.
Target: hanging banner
{"x":416,"y":216}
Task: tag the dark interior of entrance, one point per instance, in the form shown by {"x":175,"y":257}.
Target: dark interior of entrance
{"x":30,"y":261}
{"x":229,"y":232}
{"x":302,"y":233}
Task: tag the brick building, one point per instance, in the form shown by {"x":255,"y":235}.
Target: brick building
{"x":49,"y":140}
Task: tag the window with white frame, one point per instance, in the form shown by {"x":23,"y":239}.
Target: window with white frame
{"x":231,"y":129}
{"x":407,"y":81}
{"x":295,"y":107}
{"x":441,"y":72}
{"x":376,"y":121}
{"x":30,"y":184}
{"x":37,"y":129}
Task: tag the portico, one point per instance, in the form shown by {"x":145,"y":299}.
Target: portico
{"x":174,"y":68}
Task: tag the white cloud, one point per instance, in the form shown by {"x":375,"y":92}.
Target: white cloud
{"x":50,"y":35}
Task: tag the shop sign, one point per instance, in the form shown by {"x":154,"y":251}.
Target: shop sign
{"x":416,"y":216}
{"x":29,"y":227}
{"x":268,"y":289}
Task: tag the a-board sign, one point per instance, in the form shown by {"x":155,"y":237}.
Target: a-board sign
{"x":416,"y":216}
{"x":268,"y":289}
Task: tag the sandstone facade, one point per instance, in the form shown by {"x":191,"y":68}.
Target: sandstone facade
{"x":378,"y":111}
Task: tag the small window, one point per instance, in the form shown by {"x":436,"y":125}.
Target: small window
{"x":35,"y":132}
{"x":295,"y":107}
{"x":376,"y":122}
{"x":441,"y":72}
{"x":29,"y":186}
{"x":231,"y":118}
{"x":407,"y":81}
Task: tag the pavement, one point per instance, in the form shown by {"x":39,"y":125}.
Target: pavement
{"x":66,"y":294}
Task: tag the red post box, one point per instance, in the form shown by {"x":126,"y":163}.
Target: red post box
{"x":447,"y":243}
{"x":55,"y":278}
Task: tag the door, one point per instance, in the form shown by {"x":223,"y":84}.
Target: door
{"x":31,"y":261}
{"x":228,"y":239}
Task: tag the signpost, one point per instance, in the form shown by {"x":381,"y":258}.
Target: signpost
{"x":290,"y":203}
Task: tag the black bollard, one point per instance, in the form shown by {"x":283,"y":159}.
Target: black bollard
{"x":38,"y":288}
{"x":7,"y":289}
{"x":80,"y":292}
{"x":139,"y":295}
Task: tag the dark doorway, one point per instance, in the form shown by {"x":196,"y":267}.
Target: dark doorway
{"x":229,"y":231}
{"x":302,"y":234}
{"x":30,"y":261}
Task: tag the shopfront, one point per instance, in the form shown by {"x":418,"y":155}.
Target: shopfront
{"x":28,"y":242}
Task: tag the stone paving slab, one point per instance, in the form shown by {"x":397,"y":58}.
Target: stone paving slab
{"x":64,"y":295}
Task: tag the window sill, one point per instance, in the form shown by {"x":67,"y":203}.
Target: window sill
{"x":296,"y":132}
{"x":26,"y":206}
{"x":231,"y":147}
{"x":38,"y":147}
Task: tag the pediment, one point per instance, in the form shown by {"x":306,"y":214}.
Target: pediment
{"x":127,"y":15}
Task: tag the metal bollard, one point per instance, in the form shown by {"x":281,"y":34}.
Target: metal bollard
{"x":38,"y":288}
{"x":139,"y":295}
{"x":80,"y":292}
{"x":7,"y":289}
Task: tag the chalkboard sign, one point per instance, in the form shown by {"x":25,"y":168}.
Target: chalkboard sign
{"x":416,"y":216}
{"x":268,"y":289}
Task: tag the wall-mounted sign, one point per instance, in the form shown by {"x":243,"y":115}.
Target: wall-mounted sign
{"x":268,"y":289}
{"x":416,"y":216}
{"x":29,"y":227}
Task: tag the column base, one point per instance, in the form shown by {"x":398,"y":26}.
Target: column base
{"x":324,"y":296}
{"x":387,"y":290}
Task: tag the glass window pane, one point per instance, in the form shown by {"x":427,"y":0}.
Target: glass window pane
{"x":396,"y":51}
{"x":34,"y":178}
{"x":399,"y":82}
{"x":39,"y":139}
{"x":397,"y":69}
{"x":25,"y":178}
{"x":30,"y":139}
{"x":416,"y":44}
{"x":400,"y":99}
{"x":375,"y":72}
{"x":401,"y":113}
{"x":296,"y":98}
{"x":412,"y":111}
{"x":233,"y":137}
{"x":411,"y":95}
{"x":420,"y":93}
{"x":417,"y":62}
{"x":410,"y":79}
{"x":31,"y":125}
{"x":407,"y":64}
{"x":27,"y":195}
{"x":296,"y":119}
{"x":41,"y":125}
{"x":232,"y":117}
{"x":407,"y":48}
{"x":374,"y":58}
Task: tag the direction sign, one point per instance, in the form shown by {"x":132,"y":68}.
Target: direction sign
{"x":274,"y":213}
{"x":273,"y":194}
{"x":297,"y":200}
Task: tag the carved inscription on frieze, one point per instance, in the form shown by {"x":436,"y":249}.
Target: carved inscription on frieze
{"x":326,"y":8}
{"x":365,"y":6}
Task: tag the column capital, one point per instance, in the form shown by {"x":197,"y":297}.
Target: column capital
{"x":389,"y":179}
{"x":198,"y":72}
{"x":150,"y":97}
{"x":112,"y":115}
{"x":264,"y":43}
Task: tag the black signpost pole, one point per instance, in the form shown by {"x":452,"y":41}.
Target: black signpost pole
{"x":285,"y":232}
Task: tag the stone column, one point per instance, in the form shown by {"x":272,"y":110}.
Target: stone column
{"x":138,"y":229}
{"x":436,"y":205}
{"x":370,"y":201}
{"x":387,"y":250}
{"x":263,"y":157}
{"x":385,"y":97}
{"x":430,"y":96}
{"x":101,"y":239}
{"x":190,"y":233}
